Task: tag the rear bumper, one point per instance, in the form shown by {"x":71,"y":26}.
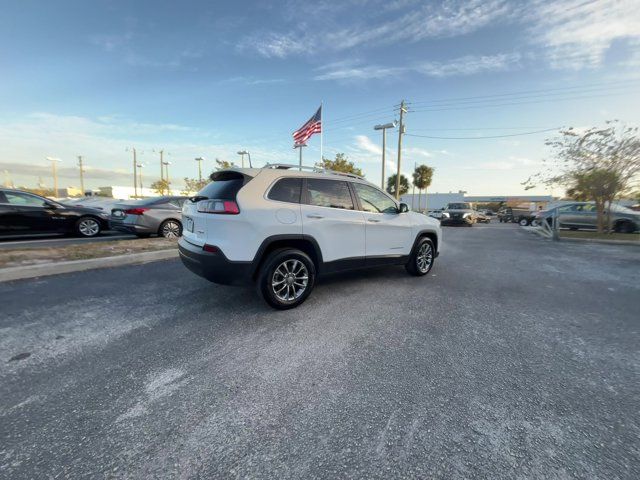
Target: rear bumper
{"x":215,"y":267}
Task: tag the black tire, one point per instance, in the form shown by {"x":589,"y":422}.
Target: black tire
{"x":87,"y":227}
{"x":281,"y":280}
{"x":170,"y":229}
{"x":625,"y":227}
{"x":413,"y":266}
{"x":523,"y":222}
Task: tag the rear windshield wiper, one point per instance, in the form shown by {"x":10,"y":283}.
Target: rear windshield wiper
{"x":197,"y":198}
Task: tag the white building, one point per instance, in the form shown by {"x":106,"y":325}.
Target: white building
{"x":127,"y":193}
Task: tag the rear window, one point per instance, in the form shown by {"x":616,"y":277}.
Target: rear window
{"x":286,"y":190}
{"x":225,"y":185}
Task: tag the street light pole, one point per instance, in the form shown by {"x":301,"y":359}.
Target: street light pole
{"x":161,"y":164}
{"x":81,"y":174}
{"x":242,"y":153}
{"x":384,"y":145}
{"x":55,"y":174}
{"x":299,"y":146}
{"x":199,"y":160}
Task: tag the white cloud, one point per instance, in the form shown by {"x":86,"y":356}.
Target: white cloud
{"x":365,"y":143}
{"x":448,"y":19}
{"x":417,"y":152}
{"x":578,"y":33}
{"x":469,"y":65}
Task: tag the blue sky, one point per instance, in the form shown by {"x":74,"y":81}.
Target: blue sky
{"x":207,"y":79}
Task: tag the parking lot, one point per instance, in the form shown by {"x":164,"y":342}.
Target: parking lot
{"x":515,"y":357}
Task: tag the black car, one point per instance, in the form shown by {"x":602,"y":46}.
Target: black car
{"x":24,"y":213}
{"x":459,"y":213}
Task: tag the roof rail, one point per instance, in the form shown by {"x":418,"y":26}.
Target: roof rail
{"x":315,"y":169}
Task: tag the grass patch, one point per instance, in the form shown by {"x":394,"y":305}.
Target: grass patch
{"x":629,"y":237}
{"x":33,"y":256}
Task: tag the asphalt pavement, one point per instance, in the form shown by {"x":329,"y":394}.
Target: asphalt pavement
{"x":515,"y":358}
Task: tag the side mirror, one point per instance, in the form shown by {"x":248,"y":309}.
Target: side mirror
{"x":404,"y":208}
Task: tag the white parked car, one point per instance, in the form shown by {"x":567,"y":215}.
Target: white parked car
{"x":281,"y":227}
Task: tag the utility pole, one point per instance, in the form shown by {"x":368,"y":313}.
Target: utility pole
{"x":140,"y":177}
{"x":299,"y":146}
{"x":166,"y":164}
{"x":162,"y":164}
{"x":55,"y":174}
{"x":81,"y":174}
{"x":403,"y":110}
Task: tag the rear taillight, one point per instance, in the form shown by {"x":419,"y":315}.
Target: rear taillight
{"x":224,"y":207}
{"x":135,"y":211}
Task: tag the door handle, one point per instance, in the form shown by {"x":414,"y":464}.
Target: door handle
{"x":373,"y":220}
{"x":314,"y":215}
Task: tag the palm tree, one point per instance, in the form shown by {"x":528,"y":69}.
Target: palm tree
{"x":422,"y":178}
{"x":391,"y":185}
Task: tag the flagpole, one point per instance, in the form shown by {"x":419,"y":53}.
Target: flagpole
{"x":321,"y":132}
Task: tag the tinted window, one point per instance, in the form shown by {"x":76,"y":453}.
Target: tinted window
{"x":329,"y":193}
{"x":373,"y":200}
{"x":459,"y":206}
{"x":16,"y":198}
{"x":222,"y":189}
{"x":286,"y":190}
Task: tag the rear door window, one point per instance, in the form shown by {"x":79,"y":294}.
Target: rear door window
{"x":286,"y":190}
{"x":329,"y":193}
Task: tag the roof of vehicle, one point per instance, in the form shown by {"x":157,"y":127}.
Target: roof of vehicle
{"x":290,"y":170}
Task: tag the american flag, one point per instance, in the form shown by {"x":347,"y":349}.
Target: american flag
{"x":314,"y":125}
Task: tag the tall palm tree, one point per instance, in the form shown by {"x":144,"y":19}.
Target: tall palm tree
{"x":422,"y":178}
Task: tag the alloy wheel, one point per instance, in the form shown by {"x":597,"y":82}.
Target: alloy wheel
{"x":171,"y":230}
{"x":424,"y":257}
{"x":89,"y":227}
{"x":289,"y":280}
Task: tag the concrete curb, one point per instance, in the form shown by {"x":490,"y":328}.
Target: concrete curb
{"x":32,"y":271}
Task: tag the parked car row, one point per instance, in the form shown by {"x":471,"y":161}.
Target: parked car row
{"x":24,"y":213}
{"x":583,"y":215}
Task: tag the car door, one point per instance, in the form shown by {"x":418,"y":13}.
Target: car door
{"x":586,"y":216}
{"x":8,"y":217}
{"x":568,"y":216}
{"x":329,"y":215}
{"x":32,"y":214}
{"x":388,"y":232}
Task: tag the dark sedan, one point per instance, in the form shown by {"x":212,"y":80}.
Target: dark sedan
{"x":24,"y":213}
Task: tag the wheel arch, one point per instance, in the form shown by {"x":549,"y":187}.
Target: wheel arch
{"x":428,"y":234}
{"x":305,"y":243}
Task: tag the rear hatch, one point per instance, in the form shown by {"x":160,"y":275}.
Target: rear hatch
{"x":224,"y":187}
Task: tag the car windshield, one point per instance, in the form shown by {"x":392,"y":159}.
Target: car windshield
{"x":459,"y":206}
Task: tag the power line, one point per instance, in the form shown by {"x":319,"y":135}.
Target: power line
{"x":620,"y":83}
{"x":482,"y":138}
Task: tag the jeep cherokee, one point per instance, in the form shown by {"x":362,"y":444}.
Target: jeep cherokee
{"x":282,"y":226}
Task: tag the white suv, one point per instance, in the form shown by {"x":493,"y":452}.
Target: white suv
{"x":281,"y":226}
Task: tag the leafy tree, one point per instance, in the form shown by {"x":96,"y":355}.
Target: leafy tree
{"x":391,"y":185}
{"x":161,"y":187}
{"x":599,"y":164}
{"x":192,"y":185}
{"x":422,"y":178}
{"x":223,"y":164}
{"x":340,"y":164}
